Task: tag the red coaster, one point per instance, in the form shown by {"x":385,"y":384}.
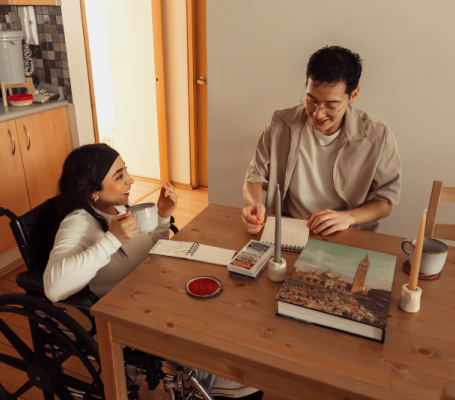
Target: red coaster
{"x":407,"y":269}
{"x":203,"y":286}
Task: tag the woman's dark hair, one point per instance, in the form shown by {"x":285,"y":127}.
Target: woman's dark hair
{"x":335,"y":64}
{"x":79,"y":181}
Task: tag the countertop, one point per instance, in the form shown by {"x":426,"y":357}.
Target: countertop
{"x":11,"y":112}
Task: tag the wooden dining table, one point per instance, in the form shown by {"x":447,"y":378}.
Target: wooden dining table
{"x":237,"y":335}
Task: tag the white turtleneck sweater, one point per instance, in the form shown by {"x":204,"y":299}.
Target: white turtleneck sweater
{"x":84,"y":254}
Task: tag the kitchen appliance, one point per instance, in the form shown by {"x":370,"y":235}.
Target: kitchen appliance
{"x":11,"y":57}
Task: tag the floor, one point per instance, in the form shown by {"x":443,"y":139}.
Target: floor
{"x":190,"y":203}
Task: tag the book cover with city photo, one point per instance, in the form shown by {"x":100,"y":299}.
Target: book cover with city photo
{"x":345,"y":281}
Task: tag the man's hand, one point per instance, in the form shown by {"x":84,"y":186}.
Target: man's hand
{"x":329,"y":221}
{"x":167,"y":201}
{"x":253,"y":217}
{"x":124,"y":227}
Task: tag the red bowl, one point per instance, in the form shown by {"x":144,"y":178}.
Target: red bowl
{"x":21,"y":100}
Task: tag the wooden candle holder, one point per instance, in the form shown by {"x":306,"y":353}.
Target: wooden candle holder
{"x":28,"y":84}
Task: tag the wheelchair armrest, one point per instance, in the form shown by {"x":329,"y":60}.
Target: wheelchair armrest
{"x":85,"y":298}
{"x":30,"y":282}
{"x":172,"y":227}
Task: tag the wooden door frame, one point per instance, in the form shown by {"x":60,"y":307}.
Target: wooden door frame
{"x":192,"y":100}
{"x":161,"y":84}
{"x":89,"y":71}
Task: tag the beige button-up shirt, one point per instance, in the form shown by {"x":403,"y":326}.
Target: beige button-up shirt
{"x":367,"y":166}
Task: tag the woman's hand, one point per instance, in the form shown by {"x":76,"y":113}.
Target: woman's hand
{"x":329,"y":221}
{"x":124,"y":227}
{"x":167,"y":201}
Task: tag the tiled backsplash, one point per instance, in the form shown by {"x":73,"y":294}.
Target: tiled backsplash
{"x":49,"y":57}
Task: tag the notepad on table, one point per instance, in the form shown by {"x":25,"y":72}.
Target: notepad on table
{"x":294,"y":233}
{"x":193,"y":251}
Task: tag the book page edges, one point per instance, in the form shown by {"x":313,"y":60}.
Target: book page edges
{"x":330,"y":321}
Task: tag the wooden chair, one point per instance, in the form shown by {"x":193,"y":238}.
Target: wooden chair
{"x":440,"y":231}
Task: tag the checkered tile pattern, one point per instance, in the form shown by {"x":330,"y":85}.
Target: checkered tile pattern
{"x":50,"y":56}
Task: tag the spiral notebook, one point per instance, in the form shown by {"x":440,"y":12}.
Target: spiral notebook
{"x":193,"y":251}
{"x":294,"y":233}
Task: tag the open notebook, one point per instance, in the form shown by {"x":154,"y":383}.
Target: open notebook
{"x":193,"y":251}
{"x":294,"y":233}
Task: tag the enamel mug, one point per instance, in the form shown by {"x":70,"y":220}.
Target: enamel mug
{"x":434,"y":255}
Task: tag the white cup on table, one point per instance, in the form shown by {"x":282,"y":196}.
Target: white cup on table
{"x":434,"y":254}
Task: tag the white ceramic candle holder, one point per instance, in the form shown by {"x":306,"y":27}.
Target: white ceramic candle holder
{"x":410,"y":299}
{"x":277,"y":271}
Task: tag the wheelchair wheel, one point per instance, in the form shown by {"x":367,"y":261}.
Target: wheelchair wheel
{"x":53,"y":354}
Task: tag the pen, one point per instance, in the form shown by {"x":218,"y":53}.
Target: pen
{"x":178,"y":250}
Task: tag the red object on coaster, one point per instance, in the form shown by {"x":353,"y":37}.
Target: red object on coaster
{"x":203,"y":286}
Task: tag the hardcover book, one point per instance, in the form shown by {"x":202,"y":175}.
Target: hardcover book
{"x":340,"y":287}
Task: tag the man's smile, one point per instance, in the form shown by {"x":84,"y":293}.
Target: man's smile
{"x":321,"y":122}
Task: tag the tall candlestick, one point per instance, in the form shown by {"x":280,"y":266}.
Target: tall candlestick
{"x":415,"y":267}
{"x":278,"y":225}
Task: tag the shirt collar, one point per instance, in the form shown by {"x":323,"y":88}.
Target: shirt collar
{"x":353,"y":129}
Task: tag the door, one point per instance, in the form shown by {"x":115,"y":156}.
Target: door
{"x":13,"y":194}
{"x":45,"y":142}
{"x":197,"y":73}
{"x":201,"y":90}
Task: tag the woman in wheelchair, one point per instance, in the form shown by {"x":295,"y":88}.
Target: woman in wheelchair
{"x":98,"y":241}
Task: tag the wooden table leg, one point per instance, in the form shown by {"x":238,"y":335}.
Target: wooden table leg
{"x":112,"y":364}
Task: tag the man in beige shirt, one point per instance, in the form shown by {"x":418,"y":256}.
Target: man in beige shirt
{"x":337,"y":166}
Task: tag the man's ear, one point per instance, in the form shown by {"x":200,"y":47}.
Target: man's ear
{"x":354,"y":95}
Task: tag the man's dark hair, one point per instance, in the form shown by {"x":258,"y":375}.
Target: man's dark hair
{"x":335,"y":64}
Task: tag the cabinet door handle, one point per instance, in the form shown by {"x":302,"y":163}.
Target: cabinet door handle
{"x":29,"y":139}
{"x":14,"y":142}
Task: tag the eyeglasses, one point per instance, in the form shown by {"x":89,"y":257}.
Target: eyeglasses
{"x":329,"y":111}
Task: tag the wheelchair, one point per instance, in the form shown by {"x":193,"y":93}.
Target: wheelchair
{"x":53,"y":344}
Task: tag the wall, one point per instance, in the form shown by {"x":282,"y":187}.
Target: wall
{"x":257,"y":55}
{"x":80,"y":112}
{"x":175,"y":34}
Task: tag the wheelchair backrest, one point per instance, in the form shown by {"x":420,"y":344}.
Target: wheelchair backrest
{"x":35,"y":233}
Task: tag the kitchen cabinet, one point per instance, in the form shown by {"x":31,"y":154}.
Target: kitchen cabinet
{"x":30,"y":176}
{"x":13,"y":192}
{"x":45,"y":141}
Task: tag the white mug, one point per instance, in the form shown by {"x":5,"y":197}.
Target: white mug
{"x":434,"y":255}
{"x":146,"y":215}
